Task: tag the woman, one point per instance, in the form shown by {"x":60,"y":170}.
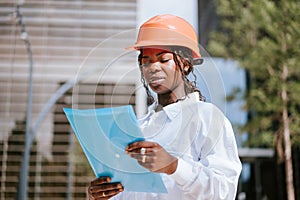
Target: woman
{"x":190,"y":142}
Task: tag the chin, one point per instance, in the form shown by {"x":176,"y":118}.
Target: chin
{"x":160,"y":90}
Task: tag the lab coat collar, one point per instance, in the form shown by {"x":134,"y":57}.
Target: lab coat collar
{"x":174,"y":109}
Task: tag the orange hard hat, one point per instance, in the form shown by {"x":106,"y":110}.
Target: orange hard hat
{"x":167,"y":30}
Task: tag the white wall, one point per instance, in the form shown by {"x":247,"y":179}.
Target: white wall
{"x":187,"y":9}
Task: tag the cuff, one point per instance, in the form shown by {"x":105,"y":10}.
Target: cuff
{"x":183,"y":173}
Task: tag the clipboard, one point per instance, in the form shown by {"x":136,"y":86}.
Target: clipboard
{"x":103,"y":134}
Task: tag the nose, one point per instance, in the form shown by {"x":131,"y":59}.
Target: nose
{"x":154,"y":67}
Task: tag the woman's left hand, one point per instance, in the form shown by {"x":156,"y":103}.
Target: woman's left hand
{"x":152,"y":156}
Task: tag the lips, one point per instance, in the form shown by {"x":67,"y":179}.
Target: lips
{"x":156,"y":81}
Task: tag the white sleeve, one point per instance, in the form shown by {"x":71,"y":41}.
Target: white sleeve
{"x":215,"y":175}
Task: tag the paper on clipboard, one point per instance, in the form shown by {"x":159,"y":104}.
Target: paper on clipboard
{"x":103,"y":134}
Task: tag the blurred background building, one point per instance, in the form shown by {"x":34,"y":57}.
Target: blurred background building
{"x":79,"y":45}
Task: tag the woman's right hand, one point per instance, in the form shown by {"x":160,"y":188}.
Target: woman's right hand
{"x":103,"y":188}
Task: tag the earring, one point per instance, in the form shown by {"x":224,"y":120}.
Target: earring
{"x":186,"y":70}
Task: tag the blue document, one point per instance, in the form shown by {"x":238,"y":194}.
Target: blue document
{"x":103,"y":135}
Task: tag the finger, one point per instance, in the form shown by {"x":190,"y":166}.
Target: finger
{"x":148,"y":165}
{"x":144,"y":160}
{"x":140,"y":156}
{"x":106,"y":195}
{"x":105,"y":187}
{"x":112,"y":193}
{"x":101,"y":180}
{"x":136,"y":146}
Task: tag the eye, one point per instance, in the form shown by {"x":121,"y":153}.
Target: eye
{"x":165,"y":57}
{"x":164,"y":60}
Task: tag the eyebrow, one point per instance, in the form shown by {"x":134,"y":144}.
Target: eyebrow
{"x":158,"y":54}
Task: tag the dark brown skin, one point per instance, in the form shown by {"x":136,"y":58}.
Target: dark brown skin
{"x":157,"y":158}
{"x":103,"y":188}
{"x":160,"y":72}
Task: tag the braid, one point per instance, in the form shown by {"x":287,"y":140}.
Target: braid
{"x":150,"y":98}
{"x":183,"y":57}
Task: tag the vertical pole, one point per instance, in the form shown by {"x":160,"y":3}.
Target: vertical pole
{"x":70,"y":167}
{"x":286,"y":138}
{"x":23,"y":178}
{"x":258,"y":187}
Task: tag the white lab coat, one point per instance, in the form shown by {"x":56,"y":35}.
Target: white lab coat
{"x":202,"y":139}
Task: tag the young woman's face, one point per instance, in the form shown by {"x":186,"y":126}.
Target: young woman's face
{"x":160,"y":71}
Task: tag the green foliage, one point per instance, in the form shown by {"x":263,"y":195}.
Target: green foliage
{"x":263,"y":36}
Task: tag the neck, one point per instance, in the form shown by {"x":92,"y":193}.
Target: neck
{"x":169,"y":98}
